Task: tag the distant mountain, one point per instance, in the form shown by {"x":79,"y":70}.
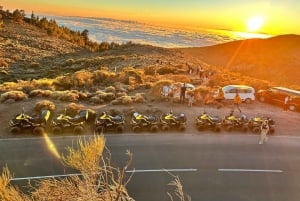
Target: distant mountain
{"x":276,"y":59}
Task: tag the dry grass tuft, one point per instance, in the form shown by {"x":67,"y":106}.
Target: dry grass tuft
{"x":44,"y":104}
{"x":9,"y":192}
{"x":40,"y":93}
{"x":13,"y":95}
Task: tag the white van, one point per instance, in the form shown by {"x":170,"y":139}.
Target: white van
{"x":228,"y":92}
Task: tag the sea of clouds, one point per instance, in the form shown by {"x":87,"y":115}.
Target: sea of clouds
{"x":122,"y":31}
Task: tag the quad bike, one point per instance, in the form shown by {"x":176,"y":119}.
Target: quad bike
{"x":232,"y":122}
{"x":106,"y":122}
{"x":22,"y":122}
{"x":76,"y":124}
{"x":254,"y":124}
{"x":205,"y":121}
{"x":140,"y":122}
{"x":171,"y":120}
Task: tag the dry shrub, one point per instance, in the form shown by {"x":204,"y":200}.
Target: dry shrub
{"x":120,"y":94}
{"x":68,"y":96}
{"x":83,"y":95}
{"x":44,"y":104}
{"x":126,"y":73}
{"x":178,"y":190}
{"x":110,"y":89}
{"x":116,"y":102}
{"x":13,"y":95}
{"x":139,"y":98}
{"x":126,"y":100}
{"x":72,"y":109}
{"x":150,"y":70}
{"x":99,"y":181}
{"x":62,"y":83}
{"x":40,"y":93}
{"x":96,"y":100}
{"x":9,"y":192}
{"x":44,"y":83}
{"x":123,"y":100}
{"x":103,"y":76}
{"x":82,"y":78}
{"x":105,"y":96}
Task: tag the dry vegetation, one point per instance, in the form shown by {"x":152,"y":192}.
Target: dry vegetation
{"x":99,"y":180}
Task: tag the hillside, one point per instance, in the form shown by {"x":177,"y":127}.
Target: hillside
{"x":276,"y":59}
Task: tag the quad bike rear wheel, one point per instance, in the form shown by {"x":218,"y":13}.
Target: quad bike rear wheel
{"x":154,"y":128}
{"x":165,"y":128}
{"x":15,"y":130}
{"x":78,"y":130}
{"x":256,"y":130}
{"x":57,"y":130}
{"x":119,"y":128}
{"x":137,"y":129}
{"x":217,"y":129}
{"x":100,"y":130}
{"x":38,"y":130}
{"x":182,"y":128}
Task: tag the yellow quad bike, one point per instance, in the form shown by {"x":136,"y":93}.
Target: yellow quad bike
{"x":36,"y":124}
{"x":105,"y":122}
{"x":141,"y":122}
{"x":205,"y":121}
{"x":170,"y":120}
{"x":254,"y":124}
{"x":76,"y":124}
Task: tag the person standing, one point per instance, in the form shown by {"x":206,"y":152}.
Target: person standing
{"x":286,"y":102}
{"x":237,"y":101}
{"x":182,"y":93}
{"x":191,"y":99}
{"x":264,"y":130}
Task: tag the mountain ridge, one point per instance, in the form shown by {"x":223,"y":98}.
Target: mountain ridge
{"x":276,"y":58}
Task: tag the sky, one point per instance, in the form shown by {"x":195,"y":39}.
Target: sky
{"x":275,"y":16}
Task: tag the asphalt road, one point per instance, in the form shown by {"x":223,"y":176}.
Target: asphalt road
{"x":210,"y":166}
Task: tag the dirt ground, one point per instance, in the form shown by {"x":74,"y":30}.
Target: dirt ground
{"x":287,"y":122}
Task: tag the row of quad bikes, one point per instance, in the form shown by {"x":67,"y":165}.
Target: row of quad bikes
{"x":139,"y":122}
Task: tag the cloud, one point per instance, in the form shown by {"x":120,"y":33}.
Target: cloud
{"x":122,"y":31}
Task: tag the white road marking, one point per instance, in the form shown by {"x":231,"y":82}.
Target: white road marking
{"x":249,"y":170}
{"x":128,"y":171}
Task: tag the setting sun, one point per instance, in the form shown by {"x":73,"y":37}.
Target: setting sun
{"x":255,"y":23}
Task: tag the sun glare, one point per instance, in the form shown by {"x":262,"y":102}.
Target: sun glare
{"x":255,"y":23}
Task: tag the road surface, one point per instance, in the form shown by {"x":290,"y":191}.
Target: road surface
{"x":210,"y":166}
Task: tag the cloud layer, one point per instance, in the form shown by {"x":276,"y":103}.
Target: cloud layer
{"x":122,"y":31}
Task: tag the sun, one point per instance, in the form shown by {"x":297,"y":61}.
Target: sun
{"x":255,"y":23}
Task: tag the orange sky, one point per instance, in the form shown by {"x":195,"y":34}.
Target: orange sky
{"x":278,"y":17}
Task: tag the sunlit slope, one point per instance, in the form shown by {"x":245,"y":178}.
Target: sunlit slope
{"x":276,"y":59}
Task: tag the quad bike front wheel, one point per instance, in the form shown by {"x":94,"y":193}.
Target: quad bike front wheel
{"x":38,"y":130}
{"x":15,"y":130}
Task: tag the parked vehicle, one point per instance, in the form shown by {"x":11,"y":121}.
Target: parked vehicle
{"x":254,"y":124}
{"x":228,"y":92}
{"x":64,"y":123}
{"x":105,"y":122}
{"x":205,"y":121}
{"x":140,"y":122}
{"x":36,"y":124}
{"x":171,"y":120}
{"x":232,"y":122}
{"x":277,"y":95}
